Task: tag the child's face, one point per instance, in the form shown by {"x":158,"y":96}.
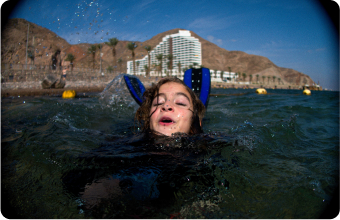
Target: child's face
{"x":173,"y":110}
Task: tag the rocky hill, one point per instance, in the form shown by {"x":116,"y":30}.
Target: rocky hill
{"x":45,"y":43}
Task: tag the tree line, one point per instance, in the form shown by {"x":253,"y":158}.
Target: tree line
{"x":132,"y":46}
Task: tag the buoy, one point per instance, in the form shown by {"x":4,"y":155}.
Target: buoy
{"x":306,"y":92}
{"x":261,"y":91}
{"x":69,"y":94}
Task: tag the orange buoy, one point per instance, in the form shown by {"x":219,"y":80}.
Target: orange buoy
{"x":69,"y":94}
{"x":261,"y":91}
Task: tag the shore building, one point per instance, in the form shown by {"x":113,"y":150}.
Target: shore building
{"x":184,"y":48}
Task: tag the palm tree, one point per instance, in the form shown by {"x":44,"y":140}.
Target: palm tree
{"x":250,"y":78}
{"x":92,"y":50}
{"x":279,"y":80}
{"x":148,"y":49}
{"x":159,"y":57}
{"x":100,"y":46}
{"x":268,"y":79}
{"x":168,"y":67}
{"x":257,"y":78}
{"x":229,"y":68}
{"x":30,"y":54}
{"x":179,"y":68}
{"x":138,"y":66}
{"x":132,"y":46}
{"x":274,"y":77}
{"x":70,"y":57}
{"x":222,"y":75}
{"x":170,"y":58}
{"x":216,"y":73}
{"x":236,"y":74}
{"x":263,"y":77}
{"x":153,"y":67}
{"x":146,"y":69}
{"x":112,"y":43}
{"x":120,"y":64}
{"x":109,"y":69}
{"x":157,"y":68}
{"x":244,"y":76}
{"x":195,"y":64}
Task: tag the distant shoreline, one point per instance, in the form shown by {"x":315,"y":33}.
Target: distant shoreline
{"x":10,"y":89}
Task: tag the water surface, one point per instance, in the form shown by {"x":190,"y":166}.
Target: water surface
{"x":262,"y":156}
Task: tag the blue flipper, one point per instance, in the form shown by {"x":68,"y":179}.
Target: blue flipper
{"x":199,"y":81}
{"x":136,"y":87}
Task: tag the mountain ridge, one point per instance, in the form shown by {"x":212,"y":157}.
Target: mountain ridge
{"x":46,"y":43}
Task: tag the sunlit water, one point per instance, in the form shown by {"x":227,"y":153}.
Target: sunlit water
{"x":262,"y":156}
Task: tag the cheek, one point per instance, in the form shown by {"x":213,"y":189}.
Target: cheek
{"x":153,"y":114}
{"x":185,"y":118}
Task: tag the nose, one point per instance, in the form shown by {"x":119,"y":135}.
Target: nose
{"x":167,"y":107}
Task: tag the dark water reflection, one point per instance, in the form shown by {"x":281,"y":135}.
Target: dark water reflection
{"x":273,"y":156}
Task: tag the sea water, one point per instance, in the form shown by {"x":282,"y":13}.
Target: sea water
{"x":261,"y":156}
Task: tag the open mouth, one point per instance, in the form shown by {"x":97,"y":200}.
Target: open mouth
{"x":166,"y":121}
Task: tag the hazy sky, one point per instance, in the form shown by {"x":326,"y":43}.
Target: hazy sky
{"x":295,"y":34}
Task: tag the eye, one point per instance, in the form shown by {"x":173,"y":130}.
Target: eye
{"x":157,"y":104}
{"x":182,"y":102}
{"x":158,"y":101}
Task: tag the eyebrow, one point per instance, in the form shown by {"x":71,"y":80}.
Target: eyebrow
{"x":183,"y":94}
{"x":177,"y":94}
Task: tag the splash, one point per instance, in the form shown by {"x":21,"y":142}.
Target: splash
{"x":116,"y":93}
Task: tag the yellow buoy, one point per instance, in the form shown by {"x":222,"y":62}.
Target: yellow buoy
{"x":306,"y":92}
{"x":261,"y":91}
{"x":69,"y":94}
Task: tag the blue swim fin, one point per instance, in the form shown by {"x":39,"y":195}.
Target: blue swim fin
{"x":136,"y":87}
{"x":199,"y":81}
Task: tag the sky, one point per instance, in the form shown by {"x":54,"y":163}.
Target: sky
{"x":296,"y":34}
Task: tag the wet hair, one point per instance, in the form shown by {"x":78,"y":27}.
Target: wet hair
{"x":143,"y":114}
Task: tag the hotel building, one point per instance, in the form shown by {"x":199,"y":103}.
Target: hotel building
{"x":184,"y":48}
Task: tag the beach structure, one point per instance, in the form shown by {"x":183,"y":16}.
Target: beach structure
{"x":184,"y":49}
{"x":228,"y":77}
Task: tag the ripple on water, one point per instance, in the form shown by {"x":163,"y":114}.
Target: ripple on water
{"x":273,"y":156}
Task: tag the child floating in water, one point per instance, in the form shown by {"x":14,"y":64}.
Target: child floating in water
{"x":170,"y":107}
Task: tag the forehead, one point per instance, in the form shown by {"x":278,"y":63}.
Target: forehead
{"x":172,"y":88}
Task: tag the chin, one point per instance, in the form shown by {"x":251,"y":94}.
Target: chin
{"x":171,"y":133}
{"x":167,"y":133}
